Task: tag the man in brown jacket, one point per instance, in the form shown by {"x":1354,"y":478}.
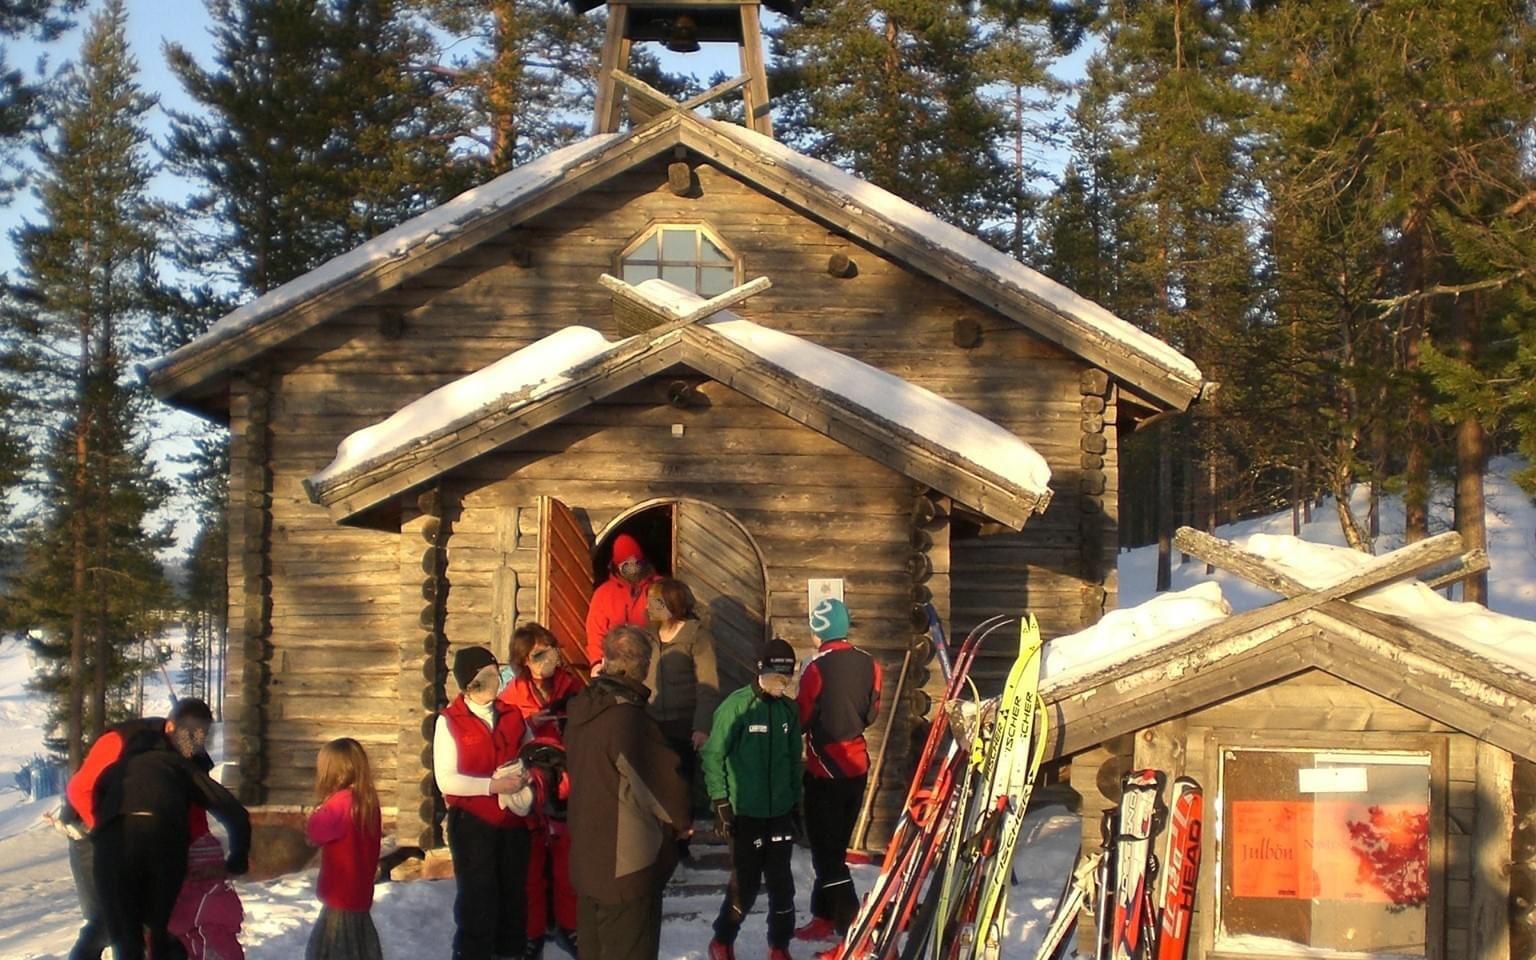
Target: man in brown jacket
{"x":627,"y":806}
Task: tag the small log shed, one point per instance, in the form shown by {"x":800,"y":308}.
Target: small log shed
{"x":1368,"y":781}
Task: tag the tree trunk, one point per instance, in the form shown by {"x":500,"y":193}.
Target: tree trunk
{"x":1165,"y":506}
{"x":1471,"y":459}
{"x":1295,"y":503}
{"x":1211,"y":500}
{"x":503,"y":84}
{"x":1416,"y":470}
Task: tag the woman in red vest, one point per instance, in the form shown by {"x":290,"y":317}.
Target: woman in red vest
{"x":474,"y":758}
{"x":539,"y":692}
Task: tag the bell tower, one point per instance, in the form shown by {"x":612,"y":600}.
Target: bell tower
{"x":681,"y":26}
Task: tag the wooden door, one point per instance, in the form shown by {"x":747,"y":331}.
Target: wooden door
{"x":565,"y":578}
{"x":716,"y":558}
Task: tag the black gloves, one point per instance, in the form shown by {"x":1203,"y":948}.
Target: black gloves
{"x":725,"y":817}
{"x":237,"y":865}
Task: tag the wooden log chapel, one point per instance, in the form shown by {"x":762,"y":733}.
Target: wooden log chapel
{"x":777,"y":376}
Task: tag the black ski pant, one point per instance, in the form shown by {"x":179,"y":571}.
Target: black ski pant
{"x":619,"y":931}
{"x":490,"y":866}
{"x":92,"y":939}
{"x":831,"y":809}
{"x":760,"y":849}
{"x":140,"y":866}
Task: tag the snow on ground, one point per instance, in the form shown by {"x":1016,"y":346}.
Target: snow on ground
{"x":37,"y":913}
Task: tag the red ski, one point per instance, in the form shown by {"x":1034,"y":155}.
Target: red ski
{"x":1181,"y":868}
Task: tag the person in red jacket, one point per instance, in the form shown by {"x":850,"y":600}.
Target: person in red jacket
{"x":346,"y":827}
{"x":839,"y":698}
{"x":622,"y":598}
{"x":539,"y":691}
{"x":474,"y":759}
{"x":79,"y":816}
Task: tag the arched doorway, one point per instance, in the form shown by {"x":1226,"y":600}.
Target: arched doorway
{"x":708,"y":549}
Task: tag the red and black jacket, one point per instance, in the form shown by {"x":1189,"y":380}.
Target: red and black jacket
{"x":839,"y":697}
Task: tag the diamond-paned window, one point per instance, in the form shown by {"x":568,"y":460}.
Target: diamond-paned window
{"x":689,"y":255}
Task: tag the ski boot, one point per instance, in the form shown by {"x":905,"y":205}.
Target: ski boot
{"x":820,"y":928}
{"x":721,"y":951}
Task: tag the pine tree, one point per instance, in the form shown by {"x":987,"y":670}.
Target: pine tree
{"x":90,"y":587}
{"x":894,"y":93}
{"x":527,"y":86}
{"x":20,"y":99}
{"x":1188,"y":275}
{"x":318,"y":128}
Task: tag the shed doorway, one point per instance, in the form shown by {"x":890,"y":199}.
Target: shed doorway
{"x":706,"y":548}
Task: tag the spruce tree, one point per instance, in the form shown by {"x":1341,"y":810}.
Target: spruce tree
{"x":526,"y":84}
{"x":894,"y":92}
{"x":90,"y":588}
{"x":318,"y":127}
{"x":1189,"y":276}
{"x":21,"y":98}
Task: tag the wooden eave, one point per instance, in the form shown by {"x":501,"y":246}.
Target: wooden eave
{"x":1391,"y":659}
{"x":189,"y":379}
{"x":355,"y":493}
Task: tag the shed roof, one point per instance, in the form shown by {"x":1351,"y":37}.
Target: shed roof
{"x":1150,"y":368}
{"x":1457,"y":663}
{"x":900,"y":424}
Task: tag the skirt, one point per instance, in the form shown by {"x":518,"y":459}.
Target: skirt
{"x":344,"y":935}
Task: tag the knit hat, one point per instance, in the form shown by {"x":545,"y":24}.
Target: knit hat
{"x":468,"y":663}
{"x":829,"y":621}
{"x":626,"y":547}
{"x":778,"y":657}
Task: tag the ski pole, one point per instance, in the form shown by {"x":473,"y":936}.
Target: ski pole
{"x":861,"y":826}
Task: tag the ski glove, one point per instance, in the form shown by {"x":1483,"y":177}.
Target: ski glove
{"x":725,"y":817}
{"x":237,"y":865}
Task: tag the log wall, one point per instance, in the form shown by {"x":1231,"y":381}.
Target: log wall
{"x":342,"y":616}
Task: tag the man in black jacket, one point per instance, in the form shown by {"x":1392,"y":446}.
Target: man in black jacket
{"x":142,"y":827}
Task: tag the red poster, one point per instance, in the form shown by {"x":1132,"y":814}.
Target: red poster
{"x":1333,"y":850}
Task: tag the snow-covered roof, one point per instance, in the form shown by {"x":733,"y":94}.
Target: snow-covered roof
{"x":944,"y":423}
{"x":862,"y":196}
{"x":519,"y":377}
{"x":1508,"y":643}
{"x":436,"y":224}
{"x":845,"y":389}
{"x":1152,"y":368}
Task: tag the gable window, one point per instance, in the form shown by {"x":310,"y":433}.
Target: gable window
{"x":1324,"y":853}
{"x":689,"y":255}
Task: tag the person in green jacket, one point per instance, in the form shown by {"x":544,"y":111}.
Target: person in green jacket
{"x":753,"y":763}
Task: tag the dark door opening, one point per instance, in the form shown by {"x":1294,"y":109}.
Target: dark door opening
{"x":652,"y":527}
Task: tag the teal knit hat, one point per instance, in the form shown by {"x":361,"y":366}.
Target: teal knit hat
{"x":829,"y":621}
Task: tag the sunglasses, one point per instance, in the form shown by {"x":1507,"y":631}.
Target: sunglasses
{"x":544,"y":655}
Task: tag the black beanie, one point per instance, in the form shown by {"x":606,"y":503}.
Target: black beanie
{"x":778,"y":657}
{"x":468,"y":663}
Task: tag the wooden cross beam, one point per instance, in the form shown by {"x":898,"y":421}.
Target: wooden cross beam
{"x":1300,"y":598}
{"x":1394,"y":566}
{"x":666,"y":320}
{"x":648,"y":103}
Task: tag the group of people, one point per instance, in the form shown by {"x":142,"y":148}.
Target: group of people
{"x":568,"y":794}
{"x":151,"y":877}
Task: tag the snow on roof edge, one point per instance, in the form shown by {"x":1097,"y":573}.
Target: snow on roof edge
{"x":1012,"y":273}
{"x":394,"y":244}
{"x":525,"y":374}
{"x":942,"y":422}
{"x":1504,"y":642}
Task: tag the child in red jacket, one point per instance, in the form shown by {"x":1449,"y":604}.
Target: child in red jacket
{"x":346,"y":828}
